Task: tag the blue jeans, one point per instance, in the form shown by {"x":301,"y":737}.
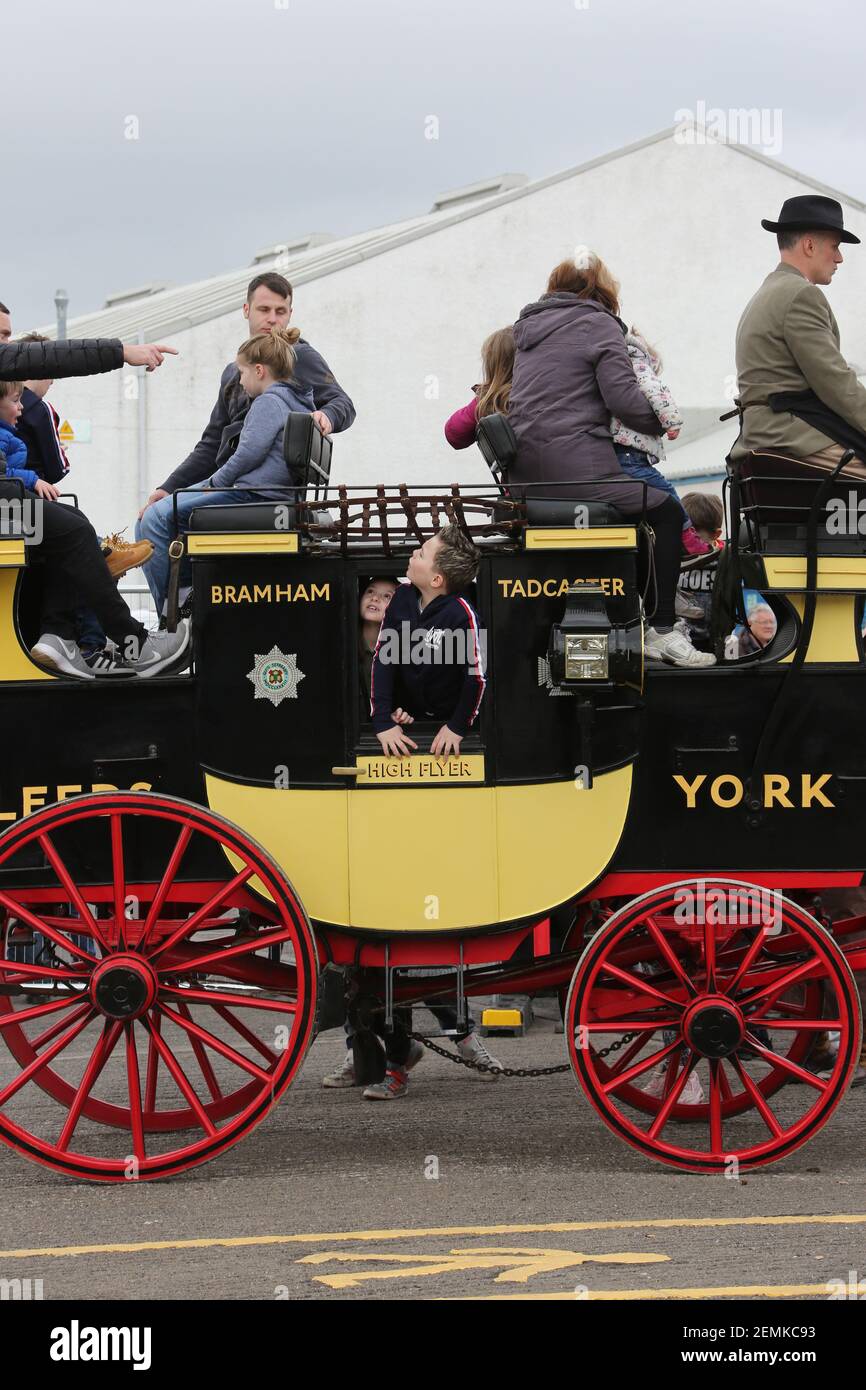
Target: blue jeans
{"x":640,"y":465}
{"x":157,"y":526}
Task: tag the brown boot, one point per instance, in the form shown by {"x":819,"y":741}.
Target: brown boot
{"x":121,"y":555}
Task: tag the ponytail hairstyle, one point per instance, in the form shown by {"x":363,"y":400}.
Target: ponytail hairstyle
{"x":587,"y":276}
{"x":272,"y":350}
{"x":497,"y":365}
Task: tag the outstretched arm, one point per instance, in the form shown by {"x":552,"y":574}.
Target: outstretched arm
{"x":75,"y":357}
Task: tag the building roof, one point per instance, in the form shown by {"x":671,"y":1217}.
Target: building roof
{"x":175,"y":309}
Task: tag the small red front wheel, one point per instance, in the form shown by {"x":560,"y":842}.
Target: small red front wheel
{"x":668,"y":1020}
{"x":155,"y":1004}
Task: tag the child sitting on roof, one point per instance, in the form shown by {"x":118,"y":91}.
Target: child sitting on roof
{"x":491,"y":395}
{"x":639,"y":454}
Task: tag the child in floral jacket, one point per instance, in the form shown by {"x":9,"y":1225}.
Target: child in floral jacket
{"x":639,"y":454}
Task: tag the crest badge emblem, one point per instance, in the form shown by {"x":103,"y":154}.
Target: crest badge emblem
{"x":276,"y":676}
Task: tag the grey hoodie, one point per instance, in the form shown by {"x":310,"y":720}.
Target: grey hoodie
{"x":572,"y":372}
{"x":257,"y":464}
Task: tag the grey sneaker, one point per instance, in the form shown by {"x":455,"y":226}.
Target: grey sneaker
{"x":342,"y":1076}
{"x":396,"y":1084}
{"x":675,"y":648}
{"x":59,"y":654}
{"x":159,"y":650}
{"x":474,"y":1049}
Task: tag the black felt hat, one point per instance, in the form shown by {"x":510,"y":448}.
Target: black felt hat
{"x":810,"y":213}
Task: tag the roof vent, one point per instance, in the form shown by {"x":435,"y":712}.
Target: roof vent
{"x":295,"y":247}
{"x":142,"y":292}
{"x":471,"y":192}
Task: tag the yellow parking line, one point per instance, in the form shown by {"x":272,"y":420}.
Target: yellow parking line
{"x":633,"y":1295}
{"x":431,"y":1232}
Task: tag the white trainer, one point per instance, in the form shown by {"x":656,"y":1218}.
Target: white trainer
{"x":675,"y":648}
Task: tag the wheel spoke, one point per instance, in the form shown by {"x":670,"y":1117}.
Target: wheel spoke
{"x":133,"y":1083}
{"x":794,"y":1025}
{"x":247,"y":1034}
{"x":629,"y":1025}
{"x":716,"y":1072}
{"x":710,"y":952}
{"x":746,"y":963}
{"x":806,"y":968}
{"x":243,"y":1001}
{"x":639,"y":983}
{"x":640,"y":1067}
{"x":191,"y":924}
{"x":167,"y":880}
{"x":760,"y":1103}
{"x":19,"y":910}
{"x":216,"y":1044}
{"x":181,"y":1079}
{"x":152,"y":1069}
{"x":631,"y":1051}
{"x":74,"y":893}
{"x":39,"y":1010}
{"x":203,"y":1060}
{"x":25,"y":970}
{"x":241,"y":948}
{"x":51,"y":1033}
{"x":39,"y":1062}
{"x":669,"y":954}
{"x":671,"y":1099}
{"x":119,"y":872}
{"x":786,"y":1064}
{"x":99,"y":1057}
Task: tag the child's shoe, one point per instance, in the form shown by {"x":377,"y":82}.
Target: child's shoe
{"x":343,"y":1075}
{"x":396,"y":1084}
{"x":675,"y":648}
{"x":473,"y":1049}
{"x":684,"y":609}
{"x":60,"y":654}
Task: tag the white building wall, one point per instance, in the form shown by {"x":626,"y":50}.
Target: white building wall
{"x":679,"y":225}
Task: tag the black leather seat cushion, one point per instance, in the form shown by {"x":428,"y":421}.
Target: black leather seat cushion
{"x":776,"y":487}
{"x":244,"y":516}
{"x":561,"y":511}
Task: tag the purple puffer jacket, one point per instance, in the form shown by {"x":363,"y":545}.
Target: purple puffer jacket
{"x":572,"y":372}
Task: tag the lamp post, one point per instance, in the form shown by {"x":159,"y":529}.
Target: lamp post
{"x":61,"y":303}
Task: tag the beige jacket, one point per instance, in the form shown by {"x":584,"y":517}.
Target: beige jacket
{"x":788,"y":340}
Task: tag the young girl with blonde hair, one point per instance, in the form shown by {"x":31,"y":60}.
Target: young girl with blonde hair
{"x":491,"y":395}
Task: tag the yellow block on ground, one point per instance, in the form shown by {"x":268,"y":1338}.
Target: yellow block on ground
{"x":501,"y":1018}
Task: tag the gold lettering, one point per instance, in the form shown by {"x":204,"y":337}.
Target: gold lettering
{"x":283,"y":591}
{"x":716,"y":790}
{"x":243,"y":595}
{"x":549,"y":588}
{"x":618,"y":587}
{"x":141,"y":787}
{"x":301,"y":593}
{"x":690,"y":789}
{"x":517,"y":589}
{"x":321,"y":591}
{"x":262,"y":593}
{"x":33,"y":797}
{"x":812,"y":791}
{"x":230,"y":593}
{"x":775,"y":790}
{"x":216,"y":593}
{"x":63,"y":792}
{"x":533,"y":588}
{"x":504,"y":585}
{"x":563,"y":588}
{"x":103,"y":787}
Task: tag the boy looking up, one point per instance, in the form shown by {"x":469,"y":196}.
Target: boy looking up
{"x":428,"y":661}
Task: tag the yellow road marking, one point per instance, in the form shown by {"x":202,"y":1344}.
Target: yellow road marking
{"x":614,"y":1295}
{"x":520,"y":1263}
{"x":431,"y":1232}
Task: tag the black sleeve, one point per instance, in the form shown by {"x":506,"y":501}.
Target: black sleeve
{"x":75,"y":357}
{"x":312,"y":370}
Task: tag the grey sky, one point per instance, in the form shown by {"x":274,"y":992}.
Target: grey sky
{"x":259,"y":122}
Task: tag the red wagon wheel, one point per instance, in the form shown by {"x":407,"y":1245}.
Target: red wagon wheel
{"x":161,"y":1005}
{"x":667,"y":999}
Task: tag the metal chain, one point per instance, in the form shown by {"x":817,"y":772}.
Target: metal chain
{"x":513,"y":1071}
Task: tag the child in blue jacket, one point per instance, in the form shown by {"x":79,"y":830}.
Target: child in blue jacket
{"x":14,"y":447}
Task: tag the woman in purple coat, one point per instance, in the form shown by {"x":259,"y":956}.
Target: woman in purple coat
{"x":572,"y":373}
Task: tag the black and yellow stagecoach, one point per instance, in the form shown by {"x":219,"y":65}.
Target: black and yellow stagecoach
{"x":197,"y":872}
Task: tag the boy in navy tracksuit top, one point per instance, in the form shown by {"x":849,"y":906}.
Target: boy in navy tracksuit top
{"x":429,"y":659}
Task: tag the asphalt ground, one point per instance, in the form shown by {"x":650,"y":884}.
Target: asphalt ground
{"x":463,"y":1189}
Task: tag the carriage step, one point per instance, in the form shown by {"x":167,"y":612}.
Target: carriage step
{"x":509,"y":1023}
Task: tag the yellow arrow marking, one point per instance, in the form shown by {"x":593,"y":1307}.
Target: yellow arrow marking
{"x":431,"y":1232}
{"x":521,"y":1263}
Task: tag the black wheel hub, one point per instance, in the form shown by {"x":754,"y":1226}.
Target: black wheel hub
{"x":123,"y":990}
{"x":714,"y":1029}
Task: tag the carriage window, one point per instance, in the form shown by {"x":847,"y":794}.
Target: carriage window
{"x":757,"y":633}
{"x":374,"y":594}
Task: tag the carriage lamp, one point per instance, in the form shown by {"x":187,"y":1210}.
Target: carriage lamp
{"x":587,"y":648}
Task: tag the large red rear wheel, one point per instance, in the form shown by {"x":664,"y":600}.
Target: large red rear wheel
{"x":175,"y":989}
{"x":662,"y":1006}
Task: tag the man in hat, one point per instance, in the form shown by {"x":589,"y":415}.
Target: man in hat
{"x":788,"y":341}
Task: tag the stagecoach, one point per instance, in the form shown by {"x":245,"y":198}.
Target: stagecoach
{"x":200,"y":873}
